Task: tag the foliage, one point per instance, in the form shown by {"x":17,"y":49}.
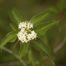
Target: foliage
{"x":51,"y":30}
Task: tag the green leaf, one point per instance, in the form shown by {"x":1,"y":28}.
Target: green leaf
{"x":46,"y":49}
{"x":41,"y":16}
{"x":23,"y":49}
{"x":31,"y":58}
{"x":13,"y":27}
{"x":38,"y":18}
{"x":10,"y":36}
{"x":44,"y":29}
{"x":42,"y":47}
{"x":15,"y":16}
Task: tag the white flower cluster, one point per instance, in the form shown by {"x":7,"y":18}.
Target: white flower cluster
{"x":26,"y":33}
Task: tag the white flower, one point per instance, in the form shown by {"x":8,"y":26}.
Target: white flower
{"x":25,"y":25}
{"x":26,"y":34}
{"x":32,"y":35}
{"x":29,"y":25}
{"x":22,"y":25}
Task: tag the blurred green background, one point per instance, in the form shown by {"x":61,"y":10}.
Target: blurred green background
{"x":27,"y":8}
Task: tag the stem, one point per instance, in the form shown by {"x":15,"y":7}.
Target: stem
{"x":60,"y":46}
{"x":9,"y":51}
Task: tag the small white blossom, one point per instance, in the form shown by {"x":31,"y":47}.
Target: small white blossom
{"x":22,"y":25}
{"x":29,"y":25}
{"x":26,"y":34}
{"x":32,"y":35}
{"x":25,"y":24}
